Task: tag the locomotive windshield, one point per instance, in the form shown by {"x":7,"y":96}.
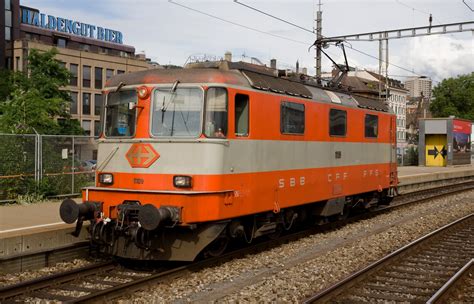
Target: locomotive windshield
{"x":120,"y":119}
{"x":177,"y":113}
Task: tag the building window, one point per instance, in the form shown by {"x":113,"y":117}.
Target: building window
{"x":291,"y":118}
{"x":241,"y":115}
{"x":8,"y":33}
{"x":337,"y":122}
{"x":97,"y":104}
{"x":98,"y":78}
{"x":8,"y":18}
{"x":96,"y":127}
{"x":9,"y":62}
{"x":108,"y":74}
{"x":371,"y":125}
{"x":120,"y":72}
{"x":8,"y":5}
{"x":85,"y":47}
{"x":86,"y":76}
{"x":73,"y":102}
{"x":17,"y":64}
{"x":60,"y":42}
{"x":216,"y":113}
{"x":86,"y":125}
{"x":73,"y":68}
{"x":86,"y":103}
{"x":103,"y":50}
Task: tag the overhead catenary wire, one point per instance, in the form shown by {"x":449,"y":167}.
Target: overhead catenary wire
{"x":236,"y":24}
{"x":274,"y":17}
{"x":375,"y":57}
{"x":274,"y":35}
{"x":285,"y":21}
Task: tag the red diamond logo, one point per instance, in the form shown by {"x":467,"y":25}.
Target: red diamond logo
{"x":141,"y":155}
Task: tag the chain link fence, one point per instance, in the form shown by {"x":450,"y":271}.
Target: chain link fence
{"x":46,"y":165}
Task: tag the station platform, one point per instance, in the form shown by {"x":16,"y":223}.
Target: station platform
{"x":34,"y":226}
{"x":417,"y":178}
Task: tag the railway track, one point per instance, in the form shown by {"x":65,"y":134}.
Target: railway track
{"x":413,"y":273}
{"x":460,"y":288}
{"x":104,"y":281}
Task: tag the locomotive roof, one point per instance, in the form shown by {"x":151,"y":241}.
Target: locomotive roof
{"x":246,"y":75}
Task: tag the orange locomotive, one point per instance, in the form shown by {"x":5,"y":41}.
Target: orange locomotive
{"x":191,"y":158}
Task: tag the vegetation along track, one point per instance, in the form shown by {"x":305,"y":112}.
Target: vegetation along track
{"x":411,"y":274}
{"x":110,"y":280}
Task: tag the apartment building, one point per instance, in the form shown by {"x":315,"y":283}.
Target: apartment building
{"x":91,"y":53}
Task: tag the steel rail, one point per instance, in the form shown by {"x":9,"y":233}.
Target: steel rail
{"x":354,"y":278}
{"x":123,"y":289}
{"x":29,"y":286}
{"x":443,"y":291}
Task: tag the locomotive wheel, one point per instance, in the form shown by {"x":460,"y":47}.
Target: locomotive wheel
{"x":217,"y":247}
{"x":275,"y":235}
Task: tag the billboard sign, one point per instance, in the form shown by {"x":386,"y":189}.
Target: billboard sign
{"x":461,"y":142}
{"x":35,"y":18}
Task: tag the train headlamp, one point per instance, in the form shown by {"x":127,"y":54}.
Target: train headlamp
{"x":182,"y":181}
{"x":106,"y":178}
{"x":143,"y":92}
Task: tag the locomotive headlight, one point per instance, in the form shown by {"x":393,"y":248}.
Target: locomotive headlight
{"x":106,"y":178}
{"x":182,"y":181}
{"x":143,"y":92}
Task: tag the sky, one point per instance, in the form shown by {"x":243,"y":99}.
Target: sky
{"x":171,"y":34}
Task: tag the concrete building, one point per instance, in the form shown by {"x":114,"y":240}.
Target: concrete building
{"x":419,"y":86}
{"x":91,"y":53}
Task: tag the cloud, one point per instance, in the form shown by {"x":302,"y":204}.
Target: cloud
{"x":170,"y":34}
{"x":440,"y":57}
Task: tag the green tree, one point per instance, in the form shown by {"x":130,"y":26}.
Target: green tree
{"x":36,"y":100}
{"x":6,"y":85}
{"x":454,"y":96}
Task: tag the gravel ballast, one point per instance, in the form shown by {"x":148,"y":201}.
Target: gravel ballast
{"x":296,"y":270}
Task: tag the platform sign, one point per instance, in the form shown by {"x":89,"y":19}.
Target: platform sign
{"x":461,"y":142}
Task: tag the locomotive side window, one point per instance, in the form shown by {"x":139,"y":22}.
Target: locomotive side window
{"x":119,"y":118}
{"x":215,"y":118}
{"x":291,"y":118}
{"x":337,"y":122}
{"x":371,"y":125}
{"x":177,"y":113}
{"x":241,"y":115}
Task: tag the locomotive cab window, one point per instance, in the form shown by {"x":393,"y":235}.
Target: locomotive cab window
{"x":177,"y":113}
{"x":291,"y":118}
{"x":371,"y":126}
{"x":337,"y":122}
{"x":215,"y":116}
{"x":119,"y":118}
{"x":241,"y":115}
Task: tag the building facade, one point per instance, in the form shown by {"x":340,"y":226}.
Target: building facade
{"x":419,"y":87}
{"x":91,"y":53}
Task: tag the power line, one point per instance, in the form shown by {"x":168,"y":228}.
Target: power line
{"x":274,"y":35}
{"x":237,"y":24}
{"x":274,"y":17}
{"x":282,"y":20}
{"x":411,"y":7}
{"x":472,"y":9}
{"x":392,"y":64}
